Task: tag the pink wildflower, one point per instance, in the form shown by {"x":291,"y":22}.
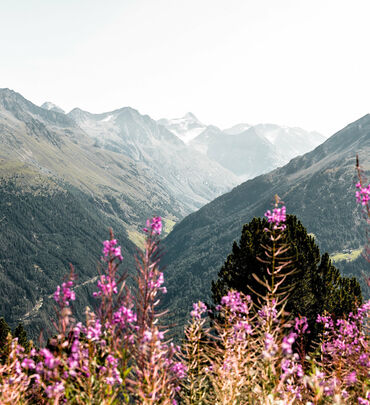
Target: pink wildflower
{"x":199,"y":308}
{"x":107,"y":286}
{"x":110,"y":249}
{"x":155,"y":224}
{"x":65,"y":294}
{"x":277,"y":217}
{"x":363,"y":195}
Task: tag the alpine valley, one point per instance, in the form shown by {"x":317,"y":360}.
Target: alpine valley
{"x":65,"y":179}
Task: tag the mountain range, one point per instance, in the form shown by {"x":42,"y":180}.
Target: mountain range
{"x":245,"y":150}
{"x":61,"y":189}
{"x":66,"y":178}
{"x":318,"y":187}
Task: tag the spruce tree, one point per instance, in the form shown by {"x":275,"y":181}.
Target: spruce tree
{"x":4,"y":331}
{"x":317,"y":284}
{"x":21,"y":334}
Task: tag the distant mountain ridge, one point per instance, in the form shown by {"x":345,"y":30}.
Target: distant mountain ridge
{"x":246,"y":150}
{"x":190,"y":177}
{"x":186,"y":128}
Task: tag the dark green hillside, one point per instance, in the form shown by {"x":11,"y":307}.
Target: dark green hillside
{"x":318,"y":187}
{"x":43,"y":227}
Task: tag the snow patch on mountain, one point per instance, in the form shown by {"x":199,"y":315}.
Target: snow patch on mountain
{"x":52,"y":107}
{"x":185,"y":128}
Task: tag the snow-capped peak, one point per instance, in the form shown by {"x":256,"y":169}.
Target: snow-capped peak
{"x":186,"y":128}
{"x":52,"y":107}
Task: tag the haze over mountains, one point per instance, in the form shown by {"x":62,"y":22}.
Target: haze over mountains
{"x":246,"y":150}
{"x":319,"y":187}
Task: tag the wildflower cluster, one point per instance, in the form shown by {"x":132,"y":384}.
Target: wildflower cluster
{"x":278,"y":216}
{"x":363,"y":194}
{"x":63,"y":295}
{"x":154,"y":225}
{"x":199,"y":308}
{"x":254,"y":352}
{"x":118,"y":355}
{"x":110,"y":250}
{"x":249,"y":352}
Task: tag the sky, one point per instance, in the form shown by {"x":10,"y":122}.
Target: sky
{"x":302,"y":63}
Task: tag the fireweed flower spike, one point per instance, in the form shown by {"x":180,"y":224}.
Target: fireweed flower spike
{"x":363,"y":195}
{"x":278,"y":216}
{"x":110,"y":250}
{"x":155,"y":224}
{"x":199,"y":308}
{"x":65,"y":294}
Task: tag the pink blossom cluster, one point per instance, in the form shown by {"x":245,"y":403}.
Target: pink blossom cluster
{"x":235,"y":302}
{"x":199,"y":308}
{"x":107,"y":286}
{"x":301,"y":325}
{"x":65,"y":294}
{"x":155,"y":281}
{"x":345,"y":337}
{"x":268,"y":313}
{"x":363,"y":195}
{"x":155,"y":224}
{"x":110,"y":249}
{"x":277,"y":217}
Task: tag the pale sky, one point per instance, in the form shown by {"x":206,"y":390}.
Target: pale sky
{"x":299,"y":63}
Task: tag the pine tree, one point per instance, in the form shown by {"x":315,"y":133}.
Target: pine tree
{"x":4,"y":331}
{"x":21,"y":334}
{"x":317,"y":284}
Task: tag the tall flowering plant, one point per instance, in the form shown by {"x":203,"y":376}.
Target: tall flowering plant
{"x":363,"y":198}
{"x":119,"y":355}
{"x":156,"y":372}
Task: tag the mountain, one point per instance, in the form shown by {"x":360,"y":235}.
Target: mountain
{"x":237,"y":129}
{"x":61,"y":188}
{"x":59,"y":194}
{"x":246,"y":150}
{"x":186,"y":128}
{"x":189,"y":176}
{"x":53,"y":144}
{"x":247,"y":154}
{"x":255,"y":149}
{"x":290,"y":142}
{"x":318,"y":187}
{"x":52,"y":107}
